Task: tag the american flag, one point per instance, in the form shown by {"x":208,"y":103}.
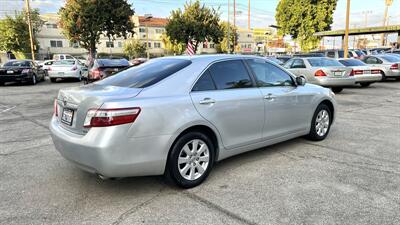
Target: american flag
{"x":189,"y":48}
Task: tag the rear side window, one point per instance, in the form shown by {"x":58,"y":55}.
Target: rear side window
{"x":323,"y":62}
{"x":230,"y":74}
{"x":112,"y":62}
{"x":146,"y":74}
{"x":351,"y":62}
{"x":205,"y":83}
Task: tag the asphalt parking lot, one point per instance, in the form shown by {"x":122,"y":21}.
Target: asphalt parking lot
{"x":353,"y":177}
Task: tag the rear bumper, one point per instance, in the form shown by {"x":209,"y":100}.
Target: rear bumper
{"x":60,"y":74}
{"x":109,"y":152}
{"x":335,"y":82}
{"x":392,"y":73}
{"x":12,"y":78}
{"x":368,"y":78}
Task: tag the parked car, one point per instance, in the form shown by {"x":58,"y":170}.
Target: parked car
{"x":274,"y":59}
{"x":103,"y":68}
{"x":389,"y":65}
{"x":311,"y":54}
{"x":21,"y":71}
{"x":65,"y":69}
{"x":364,"y":74}
{"x":46,"y":65}
{"x":179,"y":115}
{"x":284,"y":58}
{"x":357,"y":54}
{"x":322,"y":71}
{"x":395,"y":51}
{"x":334,"y":53}
{"x":62,"y":57}
{"x":138,"y":61}
{"x":82,"y":59}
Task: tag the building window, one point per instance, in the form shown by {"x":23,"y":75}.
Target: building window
{"x":51,"y":25}
{"x":249,"y":35}
{"x":56,"y":44}
{"x":74,"y":44}
{"x":149,"y":44}
{"x":248,"y":45}
{"x":157,"y":45}
{"x":142,"y":30}
{"x":212,"y":45}
{"x":159,"y":30}
{"x":109,"y":44}
{"x":119,"y":44}
{"x":205,"y":45}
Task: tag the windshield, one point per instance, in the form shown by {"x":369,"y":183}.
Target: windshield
{"x":146,"y":74}
{"x":323,"y":62}
{"x":352,"y":62}
{"x":64,"y":63}
{"x":17,"y":64}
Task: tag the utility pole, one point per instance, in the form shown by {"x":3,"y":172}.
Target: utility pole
{"x":234,"y":25}
{"x":385,"y":18}
{"x":248,"y":16}
{"x":346,"y":33}
{"x":28,"y":15}
{"x":229,"y":32}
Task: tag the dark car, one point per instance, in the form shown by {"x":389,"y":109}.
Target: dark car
{"x":103,"y":68}
{"x":21,"y":71}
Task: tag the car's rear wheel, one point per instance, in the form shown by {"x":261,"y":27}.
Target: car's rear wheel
{"x":365,"y":84}
{"x":337,"y":89}
{"x":384,"y":78}
{"x":320,"y":123}
{"x":190,"y":160}
{"x":53,"y":80}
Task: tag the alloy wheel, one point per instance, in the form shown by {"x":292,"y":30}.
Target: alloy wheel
{"x":322,"y":122}
{"x":193,"y":159}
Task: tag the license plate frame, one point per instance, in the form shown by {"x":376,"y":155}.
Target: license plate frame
{"x":10,"y":72}
{"x":61,"y":73}
{"x":67,"y":116}
{"x":337,"y":73}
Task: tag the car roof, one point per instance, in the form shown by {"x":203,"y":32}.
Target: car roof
{"x":212,"y":57}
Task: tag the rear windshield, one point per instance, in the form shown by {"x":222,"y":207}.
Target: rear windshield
{"x":17,"y":63}
{"x":352,"y":62}
{"x":323,"y":62}
{"x":146,"y":74}
{"x":390,"y":58}
{"x":64,"y":63}
{"x":112,"y":62}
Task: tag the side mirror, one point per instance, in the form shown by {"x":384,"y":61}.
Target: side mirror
{"x":301,"y":80}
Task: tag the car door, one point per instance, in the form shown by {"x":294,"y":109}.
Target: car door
{"x":226,"y":96}
{"x":287,"y":106}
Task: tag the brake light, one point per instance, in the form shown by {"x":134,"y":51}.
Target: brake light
{"x":110,"y":117}
{"x":74,"y":68}
{"x":55,"y":108}
{"x":394,"y":67}
{"x":95,"y":73}
{"x":356,"y":72}
{"x":320,"y":73}
{"x":376,"y":71}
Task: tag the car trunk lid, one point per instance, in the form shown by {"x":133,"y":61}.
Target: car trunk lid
{"x":337,"y":71}
{"x":73,"y":103}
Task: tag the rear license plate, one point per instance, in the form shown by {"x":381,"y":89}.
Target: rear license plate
{"x":67,"y":116}
{"x":60,"y":73}
{"x":337,"y":73}
{"x":10,"y":72}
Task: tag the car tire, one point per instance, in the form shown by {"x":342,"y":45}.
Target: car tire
{"x":79,"y":79}
{"x":53,"y":80}
{"x":320,"y":123}
{"x":365,"y":84}
{"x":337,"y":89}
{"x":384,"y":78}
{"x":190,"y":160}
{"x":33,"y":80}
{"x":2,"y":83}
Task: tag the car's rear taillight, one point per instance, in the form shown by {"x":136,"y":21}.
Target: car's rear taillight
{"x":110,"y":117}
{"x":55,"y":108}
{"x":95,"y":73}
{"x":320,"y":73}
{"x":356,"y":72}
{"x":376,"y":71}
{"x":394,"y":67}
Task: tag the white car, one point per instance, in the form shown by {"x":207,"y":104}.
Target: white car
{"x":66,"y":69}
{"x":46,"y":65}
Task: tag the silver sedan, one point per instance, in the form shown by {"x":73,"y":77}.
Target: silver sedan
{"x":179,"y":115}
{"x":363,"y":73}
{"x":322,"y":71}
{"x":389,"y":65}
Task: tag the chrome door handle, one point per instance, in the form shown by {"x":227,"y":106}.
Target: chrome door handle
{"x":207,"y":101}
{"x":269,"y":97}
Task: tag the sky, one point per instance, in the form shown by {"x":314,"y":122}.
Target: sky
{"x":362,"y":12}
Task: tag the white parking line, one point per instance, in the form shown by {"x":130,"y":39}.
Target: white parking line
{"x":8,"y":109}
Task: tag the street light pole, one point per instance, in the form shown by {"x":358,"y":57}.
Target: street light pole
{"x":346,"y":33}
{"x":28,"y":14}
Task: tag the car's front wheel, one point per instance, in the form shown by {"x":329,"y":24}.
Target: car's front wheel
{"x":190,"y":160}
{"x":337,"y":89}
{"x":320,"y":123}
{"x":365,"y":84}
{"x":53,"y":80}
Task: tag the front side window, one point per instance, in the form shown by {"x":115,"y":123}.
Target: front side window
{"x":230,"y":74}
{"x":298,"y":64}
{"x":204,"y":83}
{"x":269,"y":75}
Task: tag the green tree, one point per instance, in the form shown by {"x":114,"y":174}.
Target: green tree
{"x":172,"y":47}
{"x":233,"y":37}
{"x":302,"y":18}
{"x":14,"y":32}
{"x":134,"y":48}
{"x":196,"y":23}
{"x":84,"y":21}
